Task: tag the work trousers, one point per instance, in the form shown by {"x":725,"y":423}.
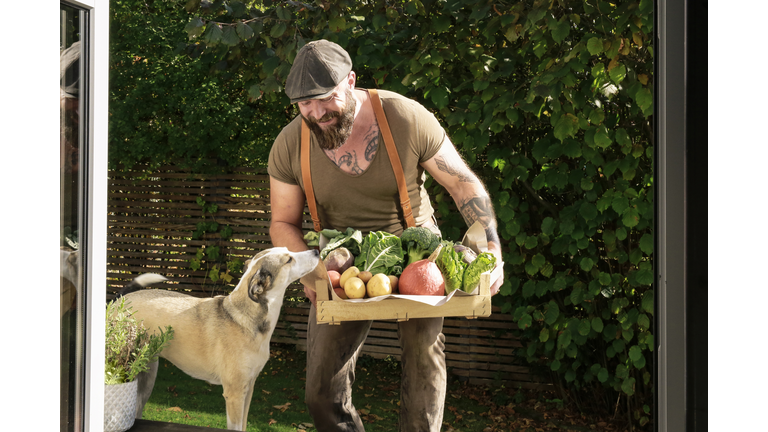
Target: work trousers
{"x":332,"y":352}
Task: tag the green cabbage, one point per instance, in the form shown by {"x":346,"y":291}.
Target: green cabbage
{"x":451,"y":266}
{"x":484,"y":262}
{"x":381,"y":252}
{"x":350,"y":239}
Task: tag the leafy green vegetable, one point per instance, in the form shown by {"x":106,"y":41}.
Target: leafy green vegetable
{"x":418,"y":243}
{"x":381,"y":252}
{"x":331,"y":233}
{"x":312,"y":238}
{"x":452,"y":266}
{"x":350,"y":239}
{"x":484,"y":262}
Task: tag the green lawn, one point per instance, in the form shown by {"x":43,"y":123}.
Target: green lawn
{"x":278,"y":401}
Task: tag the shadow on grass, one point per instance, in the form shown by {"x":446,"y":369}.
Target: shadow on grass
{"x":278,"y":401}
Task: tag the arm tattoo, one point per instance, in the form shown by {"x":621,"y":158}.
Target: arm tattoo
{"x":479,"y":208}
{"x":457,"y":171}
{"x":372,"y":138}
{"x":350,"y":160}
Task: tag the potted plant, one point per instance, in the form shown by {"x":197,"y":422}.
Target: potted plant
{"x":130,"y":348}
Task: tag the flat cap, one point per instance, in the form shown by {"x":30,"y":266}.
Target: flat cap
{"x":318,"y":68}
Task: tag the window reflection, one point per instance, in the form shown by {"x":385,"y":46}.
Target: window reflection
{"x":71,"y":138}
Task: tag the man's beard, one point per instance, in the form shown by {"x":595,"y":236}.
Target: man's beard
{"x":335,"y":135}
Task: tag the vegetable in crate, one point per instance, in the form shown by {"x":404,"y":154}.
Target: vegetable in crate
{"x":423,"y":277}
{"x":339,"y":259}
{"x":418,"y":243}
{"x":380,"y":252}
{"x":312,"y":239}
{"x":484,"y":262}
{"x":350,"y":239}
{"x":452,"y":266}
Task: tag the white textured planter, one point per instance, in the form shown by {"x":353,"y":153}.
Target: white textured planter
{"x":119,"y":406}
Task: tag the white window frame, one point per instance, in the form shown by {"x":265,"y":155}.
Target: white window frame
{"x":30,"y":179}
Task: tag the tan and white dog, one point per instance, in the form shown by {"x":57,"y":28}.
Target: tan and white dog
{"x":225,"y":339}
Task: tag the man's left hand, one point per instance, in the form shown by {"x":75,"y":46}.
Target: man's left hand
{"x":495,"y":249}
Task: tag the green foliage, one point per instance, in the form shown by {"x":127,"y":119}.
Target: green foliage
{"x":219,"y":266}
{"x":167,"y":107}
{"x":128,"y":345}
{"x":550,"y":102}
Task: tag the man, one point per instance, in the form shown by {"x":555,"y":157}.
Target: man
{"x":354,"y":186}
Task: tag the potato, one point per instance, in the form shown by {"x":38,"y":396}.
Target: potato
{"x":340,"y":292}
{"x":393,"y":282}
{"x":348,"y":273}
{"x":339,"y":259}
{"x":335,"y":278}
{"x":365,"y":276}
{"x":354,"y":288}
{"x":379,"y":285}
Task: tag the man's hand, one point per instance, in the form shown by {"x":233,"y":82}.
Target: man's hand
{"x":495,"y":249}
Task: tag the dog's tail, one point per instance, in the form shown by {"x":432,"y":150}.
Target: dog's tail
{"x":140,"y":282}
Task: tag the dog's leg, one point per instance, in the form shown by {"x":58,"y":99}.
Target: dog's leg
{"x":234,"y":395}
{"x":146,"y":382}
{"x":247,"y":403}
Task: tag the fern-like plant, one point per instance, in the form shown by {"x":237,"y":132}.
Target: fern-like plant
{"x":130,"y":348}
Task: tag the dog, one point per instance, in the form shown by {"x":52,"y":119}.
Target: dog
{"x":223,"y":340}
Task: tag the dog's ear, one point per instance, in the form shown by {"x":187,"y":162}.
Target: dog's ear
{"x":72,"y":258}
{"x":259,"y":282}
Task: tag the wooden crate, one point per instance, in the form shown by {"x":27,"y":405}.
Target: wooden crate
{"x":333,"y":310}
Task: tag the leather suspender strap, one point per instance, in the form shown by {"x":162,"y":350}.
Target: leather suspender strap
{"x":394,"y":157}
{"x":306,"y":176}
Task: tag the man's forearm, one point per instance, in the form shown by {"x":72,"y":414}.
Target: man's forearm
{"x":475,"y":205}
{"x":288,"y":236}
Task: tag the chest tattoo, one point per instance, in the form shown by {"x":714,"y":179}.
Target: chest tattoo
{"x":348,"y":162}
{"x":371,"y":142}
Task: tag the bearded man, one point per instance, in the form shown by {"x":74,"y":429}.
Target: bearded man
{"x":354,"y":186}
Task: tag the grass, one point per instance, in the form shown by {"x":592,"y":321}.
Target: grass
{"x":278,"y":401}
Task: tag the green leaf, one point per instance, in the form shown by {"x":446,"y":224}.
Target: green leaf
{"x":566,"y":127}
{"x":440,"y":24}
{"x":544,"y":335}
{"x":552,"y":312}
{"x":643,"y":321}
{"x":586,"y":264}
{"x":524,"y":322}
{"x":548,"y":226}
{"x":584,"y":327}
{"x":628,"y":386}
{"x":646,"y":244}
{"x":439,"y":96}
{"x":602,"y":139}
{"x":597,"y":324}
{"x":635,"y":353}
{"x":529,"y":288}
{"x":212,"y":34}
{"x":631,"y":217}
{"x":230,"y":37}
{"x":595,"y":46}
{"x":588,"y":211}
{"x":244,"y":31}
{"x":278,"y":30}
{"x":194,"y":27}
{"x":618,"y":73}
{"x":560,"y":30}
{"x":603,"y":375}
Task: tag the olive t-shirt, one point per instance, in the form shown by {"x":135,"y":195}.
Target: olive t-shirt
{"x":370,"y":201}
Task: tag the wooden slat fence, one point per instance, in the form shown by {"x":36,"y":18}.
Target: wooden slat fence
{"x":151,"y":221}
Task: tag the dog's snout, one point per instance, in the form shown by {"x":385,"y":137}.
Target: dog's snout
{"x":316,"y":253}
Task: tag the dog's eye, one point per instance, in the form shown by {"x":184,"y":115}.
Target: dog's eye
{"x":290,"y":259}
